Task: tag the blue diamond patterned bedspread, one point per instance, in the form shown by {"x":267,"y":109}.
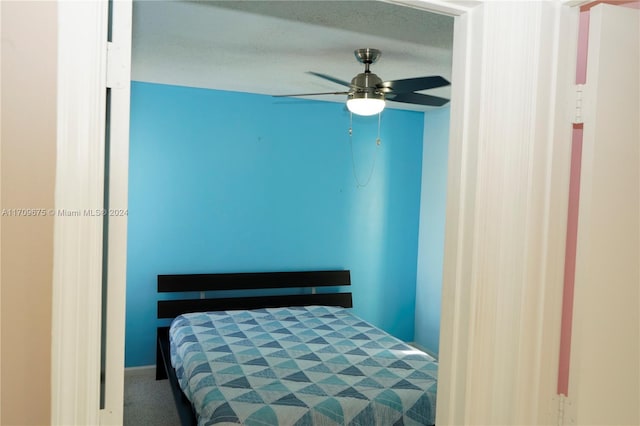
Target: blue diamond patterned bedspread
{"x":302,"y":366}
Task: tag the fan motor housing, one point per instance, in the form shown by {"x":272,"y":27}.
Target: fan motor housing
{"x":366,"y":82}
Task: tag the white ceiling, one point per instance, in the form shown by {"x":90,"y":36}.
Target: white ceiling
{"x":267,"y":47}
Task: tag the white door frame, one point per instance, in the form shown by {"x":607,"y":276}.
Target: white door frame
{"x":605,"y":317}
{"x":119,"y":83}
{"x":470,"y":277}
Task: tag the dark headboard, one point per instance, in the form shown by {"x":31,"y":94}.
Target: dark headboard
{"x":237,"y":281}
{"x":252,"y":281}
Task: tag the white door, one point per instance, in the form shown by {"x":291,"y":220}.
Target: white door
{"x":91,"y":179}
{"x":604,"y":376}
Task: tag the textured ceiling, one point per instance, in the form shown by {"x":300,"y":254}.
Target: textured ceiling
{"x":267,"y":47}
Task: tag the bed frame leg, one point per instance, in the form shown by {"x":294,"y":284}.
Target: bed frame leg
{"x":161,"y":372}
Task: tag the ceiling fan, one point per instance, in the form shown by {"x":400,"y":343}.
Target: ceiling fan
{"x":367,"y":92}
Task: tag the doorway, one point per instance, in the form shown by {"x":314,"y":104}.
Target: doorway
{"x":167,"y":64}
{"x":469,"y":206}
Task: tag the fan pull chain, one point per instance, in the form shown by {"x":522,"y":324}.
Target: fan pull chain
{"x":353,"y":160}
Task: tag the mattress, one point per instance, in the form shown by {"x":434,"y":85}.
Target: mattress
{"x":300,"y":366}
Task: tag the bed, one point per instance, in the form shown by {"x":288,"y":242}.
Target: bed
{"x":295,"y":359}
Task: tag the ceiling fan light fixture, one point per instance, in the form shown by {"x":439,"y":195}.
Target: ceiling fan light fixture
{"x":367,"y":91}
{"x":365,"y":103}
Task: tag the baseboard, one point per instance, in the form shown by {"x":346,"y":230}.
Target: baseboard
{"x":423,"y":349}
{"x":143,"y":369}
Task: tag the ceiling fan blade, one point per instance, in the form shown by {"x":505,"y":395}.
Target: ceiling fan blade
{"x":414,"y":84}
{"x":310,"y":94}
{"x":328,"y":77}
{"x":417,"y":98}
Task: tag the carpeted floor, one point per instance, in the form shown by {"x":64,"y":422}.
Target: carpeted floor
{"x":148,"y":402}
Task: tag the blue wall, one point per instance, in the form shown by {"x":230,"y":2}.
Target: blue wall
{"x":224,"y":181}
{"x":431,"y":235}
